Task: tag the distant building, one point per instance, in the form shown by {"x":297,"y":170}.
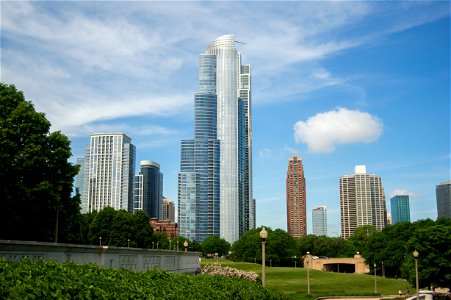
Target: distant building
{"x":80,"y":177}
{"x":164,"y":226}
{"x":400,"y":209}
{"x":109,"y":166}
{"x":296,"y":197}
{"x":443,"y":196}
{"x":149,"y":190}
{"x":319,"y":220}
{"x":362,"y":201}
{"x":168,"y":210}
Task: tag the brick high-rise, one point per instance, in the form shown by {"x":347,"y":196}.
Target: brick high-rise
{"x":296,"y":197}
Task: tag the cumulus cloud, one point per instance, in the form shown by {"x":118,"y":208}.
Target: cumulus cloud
{"x":324,"y":131}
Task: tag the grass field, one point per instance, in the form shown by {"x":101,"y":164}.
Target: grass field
{"x":292,"y":282}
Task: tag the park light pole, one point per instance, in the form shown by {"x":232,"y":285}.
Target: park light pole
{"x":263,"y":237}
{"x":128,"y":243}
{"x":416,"y":254}
{"x":375,"y":282}
{"x":177,"y":245}
{"x":100,"y":241}
{"x":185,"y":244}
{"x":308,"y":272}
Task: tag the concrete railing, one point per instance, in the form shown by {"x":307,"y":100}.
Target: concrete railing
{"x":136,"y":259}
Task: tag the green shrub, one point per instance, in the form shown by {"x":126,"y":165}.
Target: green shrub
{"x":41,"y":279}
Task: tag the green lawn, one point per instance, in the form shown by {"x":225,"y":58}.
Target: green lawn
{"x":292,"y":282}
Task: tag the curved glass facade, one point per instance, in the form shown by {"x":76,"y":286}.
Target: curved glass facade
{"x":215,"y":170}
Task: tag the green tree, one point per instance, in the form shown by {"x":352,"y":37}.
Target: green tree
{"x":280,"y":247}
{"x":35,"y":175}
{"x":215,"y":244}
{"x":142,"y":231}
{"x":361,"y":237}
{"x":433,"y":244}
{"x":118,"y":228}
{"x":325,"y":246}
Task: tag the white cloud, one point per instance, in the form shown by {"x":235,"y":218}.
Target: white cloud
{"x":397,"y":192}
{"x":324,"y":131}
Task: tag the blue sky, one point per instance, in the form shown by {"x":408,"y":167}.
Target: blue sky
{"x":341,"y":82}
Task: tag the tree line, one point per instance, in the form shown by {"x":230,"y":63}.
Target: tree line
{"x":36,"y":181}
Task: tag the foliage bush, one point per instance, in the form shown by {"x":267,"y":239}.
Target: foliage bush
{"x":41,"y":279}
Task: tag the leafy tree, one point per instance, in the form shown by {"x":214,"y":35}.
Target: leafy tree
{"x":35,"y":175}
{"x":142,"y":231}
{"x":433,"y":244}
{"x":248,"y":247}
{"x":325,"y":246}
{"x":215,"y":244}
{"x":361,"y":237}
{"x":280,"y":247}
{"x":117,"y":228}
{"x":389,"y":247}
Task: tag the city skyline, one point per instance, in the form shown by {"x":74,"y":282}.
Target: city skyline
{"x":382,"y":68}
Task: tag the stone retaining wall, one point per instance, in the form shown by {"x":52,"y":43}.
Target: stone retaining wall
{"x":136,"y":259}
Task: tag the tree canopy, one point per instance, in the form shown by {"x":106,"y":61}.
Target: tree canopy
{"x":35,"y":175}
{"x":280,"y":247}
{"x":216,"y":246}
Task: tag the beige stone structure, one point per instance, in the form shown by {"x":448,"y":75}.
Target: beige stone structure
{"x":356,"y":264}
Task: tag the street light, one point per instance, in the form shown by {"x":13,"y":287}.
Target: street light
{"x":177,"y":245}
{"x":375,"y":284}
{"x":128,"y":243}
{"x":263,"y":237}
{"x":308,"y":272}
{"x":100,"y":241}
{"x":185,"y":244}
{"x":416,"y":254}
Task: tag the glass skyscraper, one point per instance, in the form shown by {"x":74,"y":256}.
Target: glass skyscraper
{"x":319,"y":220}
{"x":400,"y":209}
{"x":149,"y":190}
{"x":215,"y":179}
{"x":443,"y":197}
{"x":109,"y":167}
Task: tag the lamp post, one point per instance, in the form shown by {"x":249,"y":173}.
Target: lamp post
{"x":416,"y":254}
{"x":170,"y":244}
{"x":177,"y":245}
{"x":128,"y":243}
{"x":308,"y":272}
{"x":263,"y":237}
{"x":153,"y":245}
{"x":100,"y":241}
{"x":185,"y":244}
{"x":375,"y":284}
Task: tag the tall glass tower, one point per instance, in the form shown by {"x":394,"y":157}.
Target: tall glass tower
{"x":149,"y":190}
{"x":400,"y":209}
{"x":215,"y":179}
{"x":443,"y":197}
{"x":319,"y":220}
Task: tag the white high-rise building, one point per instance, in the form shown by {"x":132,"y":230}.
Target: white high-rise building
{"x":362,"y":201}
{"x":109,"y":172}
{"x":319,"y":220}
